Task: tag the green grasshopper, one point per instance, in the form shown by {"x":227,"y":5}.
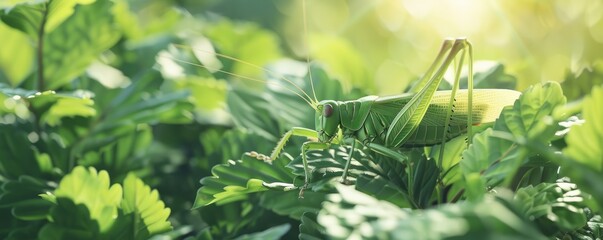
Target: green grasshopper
{"x":422,"y":117}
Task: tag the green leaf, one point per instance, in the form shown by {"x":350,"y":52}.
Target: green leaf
{"x":576,"y":87}
{"x":26,"y":17}
{"x":241,"y":41}
{"x":585,"y":141}
{"x":235,"y":180}
{"x":69,"y":107}
{"x":16,"y":57}
{"x":146,"y":211}
{"x":490,"y":74}
{"x":251,"y":111}
{"x":553,"y":207}
{"x":326,"y":167}
{"x":17,"y":155}
{"x":275,"y":233}
{"x":91,"y":188}
{"x":289,"y":204}
{"x":21,"y":196}
{"x":584,"y":165}
{"x":309,"y":229}
{"x":342,"y":59}
{"x":60,"y":10}
{"x":352,"y":214}
{"x":125,"y":153}
{"x":77,"y":42}
{"x":496,"y":154}
{"x":86,"y":205}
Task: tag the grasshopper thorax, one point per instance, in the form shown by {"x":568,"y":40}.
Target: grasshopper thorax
{"x":327,"y":120}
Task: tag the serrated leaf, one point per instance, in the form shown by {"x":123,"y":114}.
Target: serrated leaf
{"x":21,"y":196}
{"x":250,"y":111}
{"x":327,"y":166}
{"x":496,"y":154}
{"x":147,"y":212}
{"x":554,"y":207}
{"x":235,"y":180}
{"x":91,"y":188}
{"x":353,"y":215}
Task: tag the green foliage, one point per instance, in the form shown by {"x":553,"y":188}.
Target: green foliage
{"x":86,"y":207}
{"x":158,"y":96}
{"x":584,"y":154}
{"x":496,"y":154}
{"x":352,"y":214}
{"x":553,"y":206}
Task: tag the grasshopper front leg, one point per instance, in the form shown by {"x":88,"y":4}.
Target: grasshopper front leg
{"x":306,"y":146}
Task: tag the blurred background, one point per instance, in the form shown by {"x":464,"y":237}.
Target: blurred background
{"x":155,"y":48}
{"x":536,"y":40}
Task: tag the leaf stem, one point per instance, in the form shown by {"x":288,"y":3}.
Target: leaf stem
{"x":40,"y":50}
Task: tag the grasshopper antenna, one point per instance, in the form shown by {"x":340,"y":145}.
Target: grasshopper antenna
{"x":306,"y":99}
{"x":307,"y":48}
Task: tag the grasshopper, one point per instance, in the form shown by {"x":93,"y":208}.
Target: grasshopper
{"x":422,"y":117}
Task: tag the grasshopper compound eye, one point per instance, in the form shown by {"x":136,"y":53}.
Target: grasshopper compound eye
{"x":328,"y":110}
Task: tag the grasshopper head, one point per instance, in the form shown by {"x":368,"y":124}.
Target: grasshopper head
{"x":327,"y":120}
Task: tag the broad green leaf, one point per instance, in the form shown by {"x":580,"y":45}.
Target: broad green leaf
{"x":497,"y":154}
{"x":77,"y":42}
{"x":388,"y":179}
{"x":207,"y":94}
{"x":576,"y":87}
{"x":585,"y":141}
{"x":21,"y":196}
{"x":326,"y":167}
{"x":342,"y":60}
{"x":452,"y":156}
{"x":86,"y":205}
{"x":69,"y":107}
{"x":121,"y":111}
{"x":125,"y":153}
{"x":147,"y":212}
{"x":289,"y":204}
{"x":251,"y":111}
{"x":92,"y":188}
{"x":489,"y":74}
{"x":554,"y":207}
{"x":352,"y":214}
{"x":16,"y":57}
{"x":25,"y":17}
{"x":584,"y":148}
{"x":241,"y":41}
{"x":309,"y":229}
{"x":17,"y":154}
{"x":274,"y":233}
{"x":235,"y":180}
{"x":60,"y":10}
